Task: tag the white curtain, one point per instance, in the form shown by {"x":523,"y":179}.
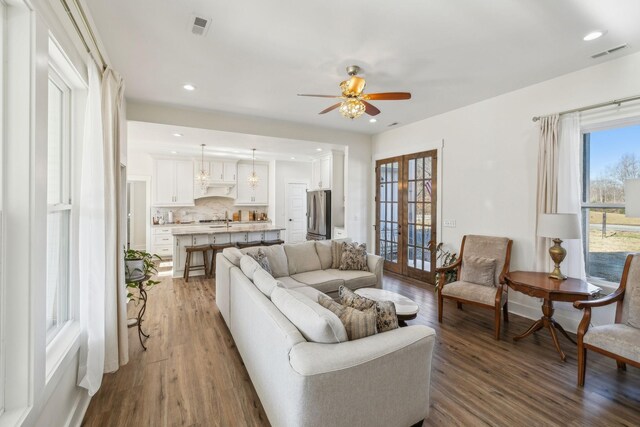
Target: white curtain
{"x":559,"y":186}
{"x":114,"y":130}
{"x":92,"y":240}
{"x":102,"y":292}
{"x":570,"y":188}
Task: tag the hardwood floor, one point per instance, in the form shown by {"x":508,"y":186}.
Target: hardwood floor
{"x":192,"y":374}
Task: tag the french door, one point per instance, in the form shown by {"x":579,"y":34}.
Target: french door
{"x":406,"y":214}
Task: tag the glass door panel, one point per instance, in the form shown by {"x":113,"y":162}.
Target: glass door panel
{"x":388,"y":228}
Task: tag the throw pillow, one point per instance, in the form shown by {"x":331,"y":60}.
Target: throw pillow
{"x":351,"y":299}
{"x":359,"y":324}
{"x":336,"y":254}
{"x":478,"y":270}
{"x":354,"y":257}
{"x":261,"y":258}
{"x":386,"y":317}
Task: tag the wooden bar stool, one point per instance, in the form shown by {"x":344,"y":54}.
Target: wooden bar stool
{"x":216,"y":249}
{"x":205,"y":257}
{"x":242,"y":245}
{"x":272,"y":242}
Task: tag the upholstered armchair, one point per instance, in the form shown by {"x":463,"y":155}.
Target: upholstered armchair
{"x":482,"y":266}
{"x":621,"y":340}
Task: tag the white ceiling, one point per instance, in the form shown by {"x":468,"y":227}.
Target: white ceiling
{"x":159,"y":139}
{"x":259,"y":54}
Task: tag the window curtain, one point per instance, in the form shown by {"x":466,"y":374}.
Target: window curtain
{"x":102,"y":292}
{"x":559,"y":186}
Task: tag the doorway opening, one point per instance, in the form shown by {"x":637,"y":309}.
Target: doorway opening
{"x":138,"y":213}
{"x":406,"y":206}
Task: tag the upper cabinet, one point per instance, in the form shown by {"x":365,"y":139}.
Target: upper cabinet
{"x":248,"y":196}
{"x":220,"y":172}
{"x":327,"y":172}
{"x":173,"y":182}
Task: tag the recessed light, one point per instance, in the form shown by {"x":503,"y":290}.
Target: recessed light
{"x":188,"y":86}
{"x":293,"y":158}
{"x":594,"y":35}
{"x":174,"y":152}
{"x":372,"y":120}
{"x":318,"y":149}
{"x":178,"y":135}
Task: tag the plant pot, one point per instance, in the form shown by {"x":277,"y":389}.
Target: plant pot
{"x":133,"y":269}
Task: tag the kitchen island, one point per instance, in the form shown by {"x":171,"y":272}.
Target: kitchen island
{"x":217,"y":234}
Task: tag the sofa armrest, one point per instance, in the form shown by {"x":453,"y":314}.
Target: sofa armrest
{"x":375,"y":264}
{"x":310,"y":358}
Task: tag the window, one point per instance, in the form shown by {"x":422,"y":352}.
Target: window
{"x":610,"y":157}
{"x":59,"y":204}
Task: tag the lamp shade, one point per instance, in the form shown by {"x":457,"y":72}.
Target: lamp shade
{"x":559,"y":226}
{"x":632,"y":197}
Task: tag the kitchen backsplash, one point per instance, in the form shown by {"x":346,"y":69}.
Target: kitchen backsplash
{"x":206,"y":208}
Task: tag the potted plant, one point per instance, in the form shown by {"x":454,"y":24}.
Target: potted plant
{"x":138,"y":265}
{"x":444,"y":258}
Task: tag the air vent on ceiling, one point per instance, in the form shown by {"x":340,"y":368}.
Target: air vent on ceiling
{"x":610,"y":51}
{"x":393,"y":124}
{"x":199,"y":25}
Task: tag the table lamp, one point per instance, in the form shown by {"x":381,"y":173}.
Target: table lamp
{"x":632,"y":198}
{"x":558,"y":226}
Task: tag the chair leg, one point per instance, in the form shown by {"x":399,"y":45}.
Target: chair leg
{"x":582,"y":363}
{"x":205,"y":261}
{"x":505,"y":311}
{"x":440,"y":304}
{"x":459,"y":305}
{"x":621,"y":365}
{"x":497,"y":323}
{"x":187,"y":267}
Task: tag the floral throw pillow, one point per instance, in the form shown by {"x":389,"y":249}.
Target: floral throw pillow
{"x":351,"y":299}
{"x":386,"y":317}
{"x":261,"y":259}
{"x":354,"y":257}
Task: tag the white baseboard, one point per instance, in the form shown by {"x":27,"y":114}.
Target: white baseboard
{"x":79,"y":409}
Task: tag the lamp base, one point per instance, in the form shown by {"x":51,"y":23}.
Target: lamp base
{"x":557,"y":253}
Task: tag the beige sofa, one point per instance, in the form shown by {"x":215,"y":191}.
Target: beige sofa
{"x":382,"y":379}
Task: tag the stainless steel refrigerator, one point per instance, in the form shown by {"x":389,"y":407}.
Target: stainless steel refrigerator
{"x":319,"y":215}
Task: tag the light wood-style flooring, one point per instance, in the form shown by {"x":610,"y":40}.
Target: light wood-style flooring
{"x":192,"y":374}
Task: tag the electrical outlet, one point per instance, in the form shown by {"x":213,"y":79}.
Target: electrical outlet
{"x":449,"y":223}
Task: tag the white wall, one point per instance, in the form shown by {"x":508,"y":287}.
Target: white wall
{"x":357,"y":147}
{"x":287,"y":172}
{"x":489,"y":158}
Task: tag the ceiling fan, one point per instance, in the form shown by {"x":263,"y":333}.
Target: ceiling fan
{"x":355,"y":103}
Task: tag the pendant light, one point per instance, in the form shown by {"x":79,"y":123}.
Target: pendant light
{"x":203,"y":176}
{"x":253,"y":178}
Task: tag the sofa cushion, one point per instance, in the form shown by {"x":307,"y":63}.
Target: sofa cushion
{"x":358,"y":324}
{"x":472,"y":292}
{"x":312,"y":293}
{"x":618,"y":338}
{"x":276,"y":256}
{"x":478,"y":270}
{"x":354,"y":279}
{"x":354,"y":257}
{"x":319,"y":279}
{"x":315,"y":323}
{"x":265,"y":282}
{"x":290,"y":283}
{"x":261,"y":258}
{"x":323,"y":248}
{"x":302,"y":257}
{"x":233,"y":255}
{"x":249,"y":266}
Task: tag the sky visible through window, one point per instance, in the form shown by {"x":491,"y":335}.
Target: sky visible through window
{"x":608,"y":146}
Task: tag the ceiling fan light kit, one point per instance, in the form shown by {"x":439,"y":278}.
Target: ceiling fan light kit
{"x":354,"y":102}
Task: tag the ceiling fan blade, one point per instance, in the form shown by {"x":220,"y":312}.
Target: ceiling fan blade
{"x":388,"y":96}
{"x":333,"y":107}
{"x":370,"y":109}
{"x":319,"y":96}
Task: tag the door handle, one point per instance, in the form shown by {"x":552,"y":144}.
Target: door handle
{"x":290,"y":219}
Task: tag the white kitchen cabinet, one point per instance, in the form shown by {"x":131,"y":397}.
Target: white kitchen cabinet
{"x":230,"y":172}
{"x":181,"y":253}
{"x":248,"y":196}
{"x":239,"y":237}
{"x":327,"y":173}
{"x":161,"y":242}
{"x":216,"y":171}
{"x":219,"y":239}
{"x":272,"y":235}
{"x":322,"y":173}
{"x":173,"y":183}
{"x":220,"y":171}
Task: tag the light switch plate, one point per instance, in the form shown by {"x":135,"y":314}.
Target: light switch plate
{"x":449,"y":223}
